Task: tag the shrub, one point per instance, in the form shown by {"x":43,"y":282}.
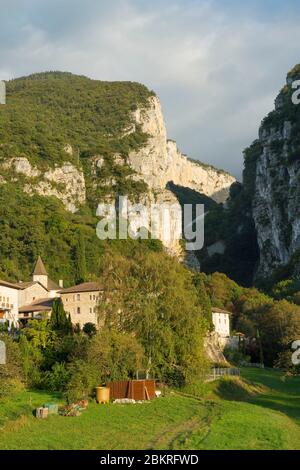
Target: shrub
{"x":89,"y":329}
{"x":57,"y":379}
{"x":84,"y":378}
{"x":11,"y":373}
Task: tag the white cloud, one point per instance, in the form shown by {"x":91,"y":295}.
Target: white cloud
{"x":217,"y":70}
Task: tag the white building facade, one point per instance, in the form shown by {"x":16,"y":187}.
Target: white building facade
{"x":221,"y":322}
{"x":9,"y":303}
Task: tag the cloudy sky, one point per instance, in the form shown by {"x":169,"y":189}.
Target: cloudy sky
{"x":217,"y":65}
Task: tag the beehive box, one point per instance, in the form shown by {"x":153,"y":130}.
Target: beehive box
{"x":41,"y":413}
{"x":52,"y":408}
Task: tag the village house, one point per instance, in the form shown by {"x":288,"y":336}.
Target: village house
{"x":9,"y":303}
{"x":82,"y":302}
{"x":20,"y":302}
{"x":221,"y":322}
{"x":36,"y":296}
{"x":24,"y":300}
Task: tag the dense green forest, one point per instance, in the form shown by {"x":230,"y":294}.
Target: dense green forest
{"x":32,"y":226}
{"x":45,"y":113}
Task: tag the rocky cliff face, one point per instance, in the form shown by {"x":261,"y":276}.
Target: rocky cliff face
{"x":273,"y":164}
{"x":65,"y":182}
{"x":115,"y":144}
{"x":160,"y":162}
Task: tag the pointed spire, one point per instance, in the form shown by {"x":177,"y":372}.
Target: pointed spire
{"x":39,"y":269}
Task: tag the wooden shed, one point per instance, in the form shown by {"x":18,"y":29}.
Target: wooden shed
{"x":133,"y":389}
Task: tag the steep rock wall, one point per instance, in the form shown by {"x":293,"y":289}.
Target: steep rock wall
{"x":160,"y":161}
{"x":276,"y":178}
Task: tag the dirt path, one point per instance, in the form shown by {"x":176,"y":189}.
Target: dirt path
{"x":174,"y":437}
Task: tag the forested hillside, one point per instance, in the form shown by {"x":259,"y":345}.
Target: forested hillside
{"x":50,"y":119}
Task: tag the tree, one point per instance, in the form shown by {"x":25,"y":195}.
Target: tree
{"x":153,"y":297}
{"x":80,"y":259}
{"x":11,"y":373}
{"x":110,"y":355}
{"x":39,"y":333}
{"x":203,"y":297}
{"x":59,"y":320}
{"x":89,"y":329}
{"x":278,"y":328}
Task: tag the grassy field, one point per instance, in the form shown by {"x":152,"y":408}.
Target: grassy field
{"x":260,"y":412}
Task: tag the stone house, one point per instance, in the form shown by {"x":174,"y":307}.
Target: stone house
{"x":82,"y":302}
{"x":40,"y":275}
{"x":36,"y":296}
{"x":35,"y":310}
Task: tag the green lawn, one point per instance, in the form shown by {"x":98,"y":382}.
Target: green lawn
{"x":263,"y":414}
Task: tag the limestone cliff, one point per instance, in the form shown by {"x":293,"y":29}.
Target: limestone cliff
{"x":160,"y":162}
{"x":273,"y":164}
{"x":256,"y":237}
{"x":65,"y":182}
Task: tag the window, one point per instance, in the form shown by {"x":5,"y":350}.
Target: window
{"x":95,"y":309}
{"x":91,"y":310}
{"x":78,"y":310}
{"x":91,"y":297}
{"x":78,"y":296}
{"x":94,"y":297}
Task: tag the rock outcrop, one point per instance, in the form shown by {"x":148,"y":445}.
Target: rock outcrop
{"x":160,"y":162}
{"x":214,"y":350}
{"x":276,"y":177}
{"x":65,"y":182}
